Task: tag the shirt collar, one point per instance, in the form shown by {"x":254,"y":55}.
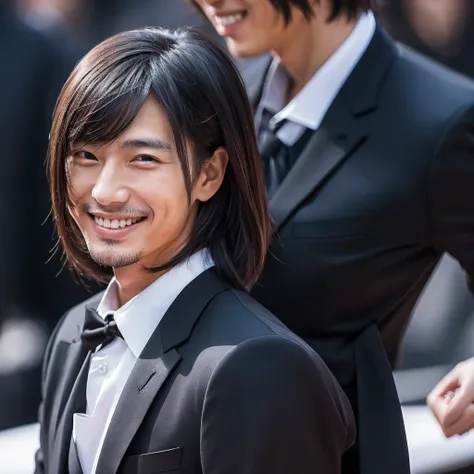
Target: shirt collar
{"x":311,"y":104}
{"x":138,"y":319}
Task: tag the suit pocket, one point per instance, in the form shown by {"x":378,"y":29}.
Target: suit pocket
{"x":157,"y":462}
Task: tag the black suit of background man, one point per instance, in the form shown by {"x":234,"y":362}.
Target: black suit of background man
{"x":380,"y":192}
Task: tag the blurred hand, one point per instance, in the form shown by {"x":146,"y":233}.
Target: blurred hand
{"x":451,"y":401}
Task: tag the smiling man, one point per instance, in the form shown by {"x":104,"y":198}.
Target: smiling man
{"x":155,"y":180}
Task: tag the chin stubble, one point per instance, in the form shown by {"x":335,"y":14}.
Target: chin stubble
{"x":109,"y":258}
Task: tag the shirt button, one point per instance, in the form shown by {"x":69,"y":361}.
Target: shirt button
{"x":102,"y":368}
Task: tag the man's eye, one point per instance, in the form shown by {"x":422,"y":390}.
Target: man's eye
{"x":146,"y":159}
{"x":86,"y":155}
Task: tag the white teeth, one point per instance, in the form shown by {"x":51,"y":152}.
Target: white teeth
{"x":115,"y":223}
{"x":229,"y":20}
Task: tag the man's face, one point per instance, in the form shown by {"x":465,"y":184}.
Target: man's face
{"x":129,"y":197}
{"x":251,"y":27}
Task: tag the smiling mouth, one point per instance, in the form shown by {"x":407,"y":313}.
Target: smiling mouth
{"x":228,"y":20}
{"x":116,"y":224}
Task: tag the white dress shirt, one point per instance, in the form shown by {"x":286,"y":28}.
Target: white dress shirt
{"x":111,"y":366}
{"x":308,"y":108}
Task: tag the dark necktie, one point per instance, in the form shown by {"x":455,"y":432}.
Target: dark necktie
{"x":98,"y":330}
{"x":275,"y":155}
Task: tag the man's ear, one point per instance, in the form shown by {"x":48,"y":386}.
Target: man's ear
{"x":211,"y":176}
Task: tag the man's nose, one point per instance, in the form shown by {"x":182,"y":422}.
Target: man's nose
{"x":110,"y":187}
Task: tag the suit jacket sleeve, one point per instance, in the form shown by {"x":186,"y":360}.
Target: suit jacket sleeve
{"x":39,"y":456}
{"x":451,"y":191}
{"x":272,"y":406}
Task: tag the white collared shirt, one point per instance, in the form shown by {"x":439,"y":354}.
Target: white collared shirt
{"x":111,"y":366}
{"x":308,"y":108}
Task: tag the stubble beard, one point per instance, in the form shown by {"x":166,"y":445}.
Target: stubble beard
{"x":114,"y":258}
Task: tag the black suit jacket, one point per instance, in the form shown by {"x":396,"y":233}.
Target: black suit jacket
{"x":382,"y":189}
{"x":222,"y":386}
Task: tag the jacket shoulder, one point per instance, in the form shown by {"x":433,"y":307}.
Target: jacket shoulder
{"x":237,"y":317}
{"x":432,"y":83}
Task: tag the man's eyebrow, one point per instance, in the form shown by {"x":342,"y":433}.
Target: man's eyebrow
{"x":155,"y":143}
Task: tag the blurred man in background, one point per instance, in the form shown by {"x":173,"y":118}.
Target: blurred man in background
{"x":441,"y":29}
{"x":368,"y":153}
{"x":91,"y":21}
{"x":33,"y":70}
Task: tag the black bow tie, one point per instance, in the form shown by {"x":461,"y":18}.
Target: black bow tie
{"x":98,"y":330}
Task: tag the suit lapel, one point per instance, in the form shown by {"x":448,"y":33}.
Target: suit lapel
{"x":341,"y":131}
{"x":146,"y":379}
{"x":327,"y":148}
{"x":72,"y":399}
{"x":155,"y":364}
{"x":76,"y":403}
{"x":74,"y":464}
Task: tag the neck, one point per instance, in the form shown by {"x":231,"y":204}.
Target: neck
{"x":132,"y":280}
{"x":311,"y":46}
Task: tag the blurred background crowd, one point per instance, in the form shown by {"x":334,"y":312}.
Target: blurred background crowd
{"x":40,"y":41}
